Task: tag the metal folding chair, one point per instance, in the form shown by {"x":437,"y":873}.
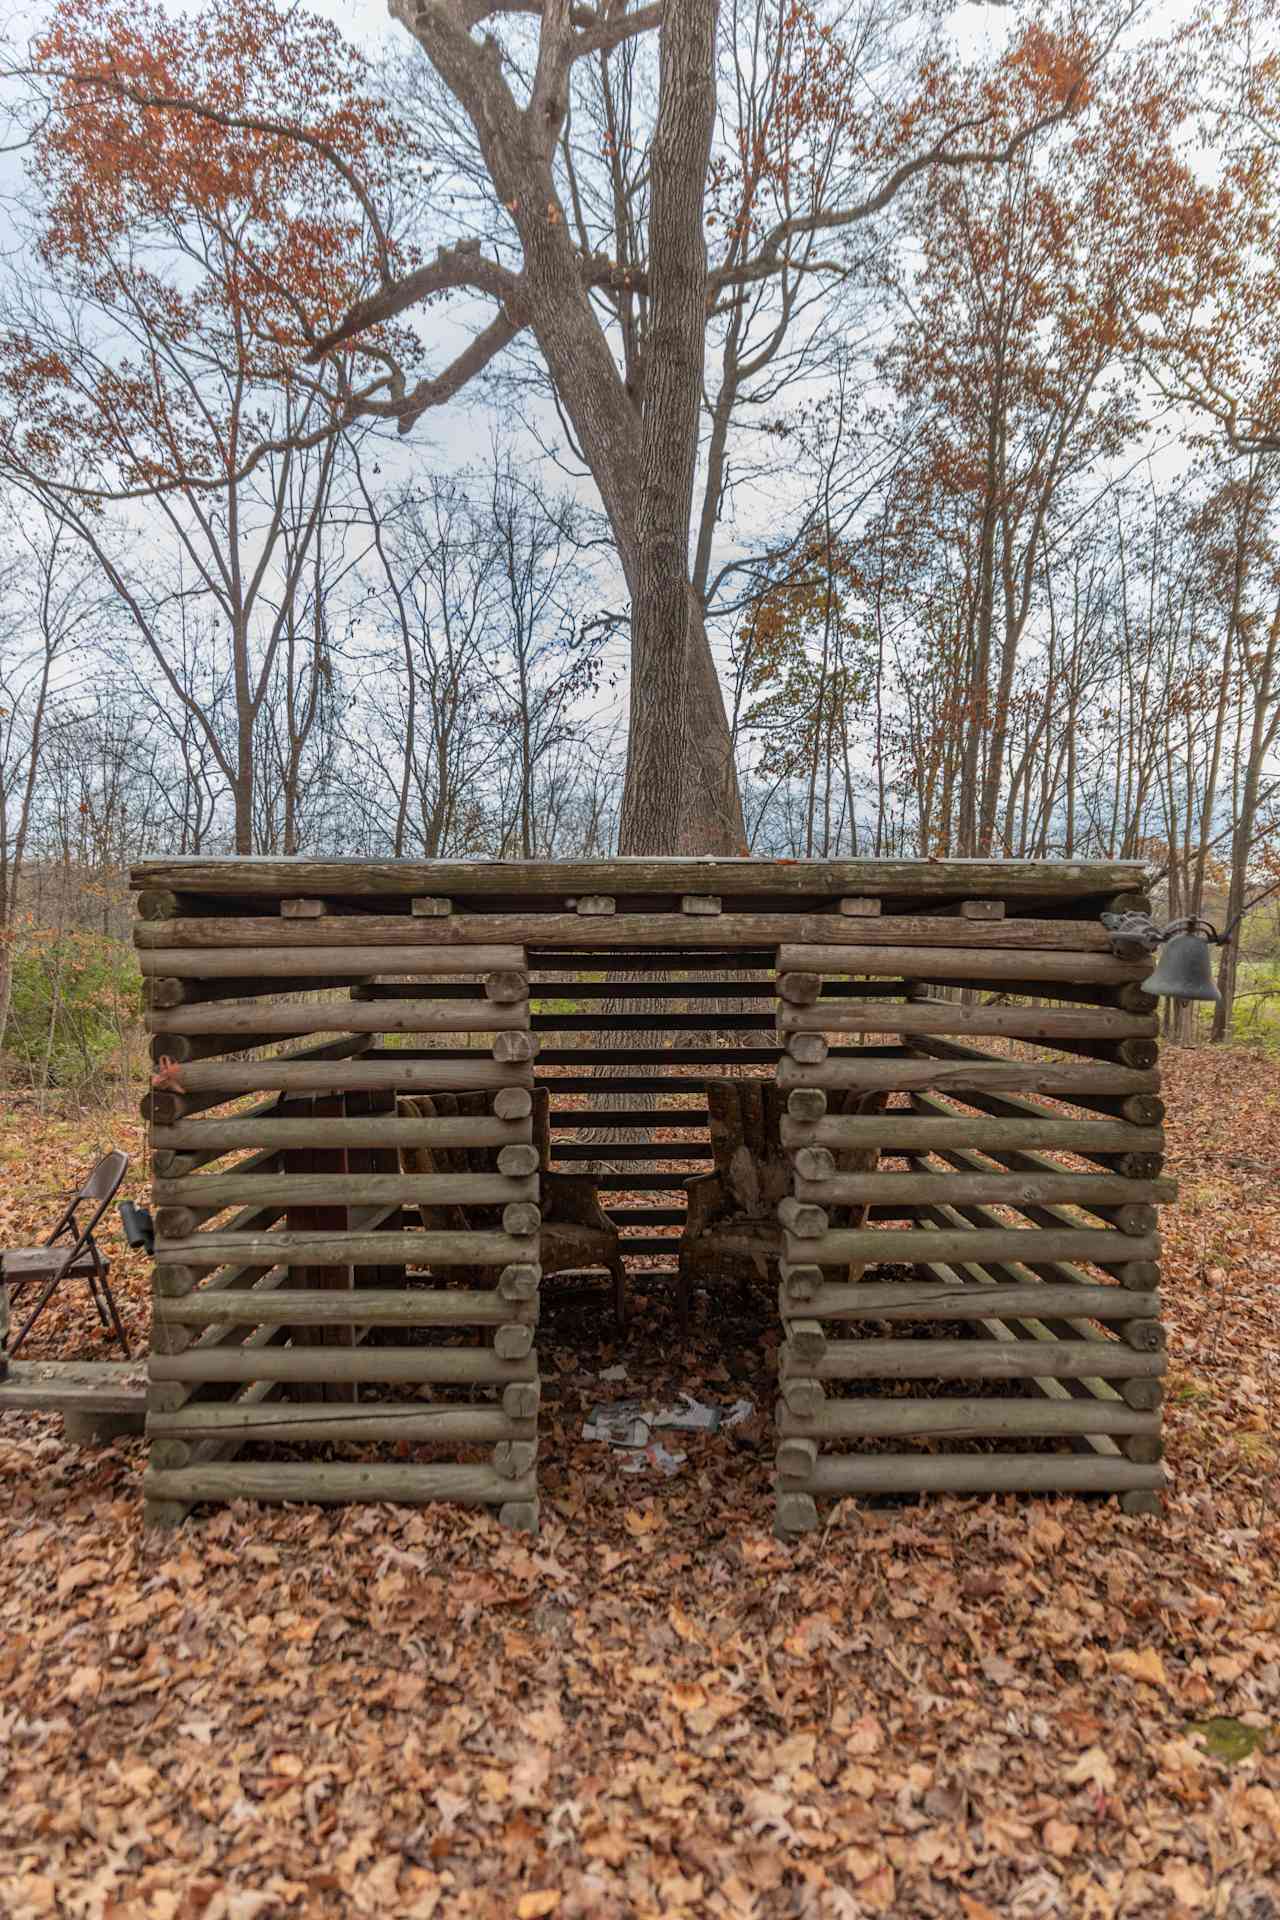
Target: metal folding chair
{"x":71,"y":1252}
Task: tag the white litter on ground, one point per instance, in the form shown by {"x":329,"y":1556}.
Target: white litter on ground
{"x":630,"y":1427}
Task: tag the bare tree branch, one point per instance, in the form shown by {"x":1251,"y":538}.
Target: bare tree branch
{"x":458,"y":266}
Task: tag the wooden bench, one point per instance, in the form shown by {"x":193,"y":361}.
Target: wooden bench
{"x":98,"y":1399}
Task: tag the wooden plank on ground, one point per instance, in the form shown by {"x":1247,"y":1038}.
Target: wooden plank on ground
{"x":74,"y":1386}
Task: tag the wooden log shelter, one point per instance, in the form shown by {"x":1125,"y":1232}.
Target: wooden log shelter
{"x":392,"y":1099}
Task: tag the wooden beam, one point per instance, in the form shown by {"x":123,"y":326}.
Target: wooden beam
{"x":266,"y":961}
{"x":910,"y":879}
{"x":894,"y":941}
{"x":1051,"y":1024}
{"x":328,"y":1482}
{"x":994,"y":957}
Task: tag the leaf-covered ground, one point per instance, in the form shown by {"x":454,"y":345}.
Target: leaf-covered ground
{"x":956,"y":1707}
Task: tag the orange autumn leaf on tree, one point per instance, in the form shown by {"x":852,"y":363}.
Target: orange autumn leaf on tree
{"x":213,"y":192}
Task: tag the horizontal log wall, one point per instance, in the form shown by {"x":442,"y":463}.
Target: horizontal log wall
{"x":304,"y":1235}
{"x":1010,"y":1248}
{"x":296,"y":1237}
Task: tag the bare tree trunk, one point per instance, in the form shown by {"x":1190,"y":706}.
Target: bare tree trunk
{"x":1262,"y":733}
{"x":664,"y":689}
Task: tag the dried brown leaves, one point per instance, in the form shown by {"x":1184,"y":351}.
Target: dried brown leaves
{"x":962,"y":1708}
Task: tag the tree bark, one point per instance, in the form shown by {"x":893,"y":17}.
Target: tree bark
{"x":669,"y":691}
{"x":681,"y":792}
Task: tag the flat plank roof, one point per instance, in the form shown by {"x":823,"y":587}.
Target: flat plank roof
{"x":249,"y":875}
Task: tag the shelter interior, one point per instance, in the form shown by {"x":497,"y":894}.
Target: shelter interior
{"x":918,"y":1101}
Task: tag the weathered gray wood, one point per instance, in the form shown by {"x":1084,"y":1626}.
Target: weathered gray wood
{"x":974,"y":1360}
{"x":805,"y":1104}
{"x":1118,"y":1148}
{"x":804,"y":1398}
{"x":84,"y":1386}
{"x":794,"y":1513}
{"x":934,"y":1300}
{"x":1136,"y":1274}
{"x":174,"y":1096}
{"x":297,"y":962}
{"x":809,"y":1049}
{"x":513,"y":1342}
{"x":1050,"y":1024}
{"x":806,"y":1342}
{"x":806,"y":1222}
{"x":410,"y":1420}
{"x":1077,"y":949}
{"x":301,"y":908}
{"x":157,"y":903}
{"x":799,"y":989}
{"x":513,"y":1103}
{"x":998,"y":1189}
{"x":212,"y":1138}
{"x":1040,"y":1127}
{"x":438,"y":1366}
{"x":868,"y":1418}
{"x":980,"y":1473}
{"x":1144,"y":1394}
{"x":913,"y":1244}
{"x":814,"y":1163}
{"x":799,"y":1284}
{"x":427,"y":906}
{"x":859,"y":906}
{"x":266,"y":876}
{"x":797,"y":1457}
{"x":517,"y":1161}
{"x":214,"y":1191}
{"x":1145,"y":1336}
{"x":176,"y":1223}
{"x":520,"y":1400}
{"x":506,"y":987}
{"x":258,"y":1023}
{"x":327,"y":1307}
{"x":511,"y":1047}
{"x":160,"y":991}
{"x":522,"y":1216}
{"x":1139,"y":1054}
{"x":976,"y":909}
{"x":330,"y":1483}
{"x":415,"y":1076}
{"x":513,"y":1459}
{"x":705,"y":903}
{"x":520,"y":1282}
{"x":1139,"y":1105}
{"x":1082,"y":958}
{"x":344,"y":1249}
{"x":1127,"y":1217}
{"x":182,"y":1047}
{"x":1066,"y":1082}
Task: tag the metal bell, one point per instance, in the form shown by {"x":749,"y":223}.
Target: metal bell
{"x":1183,"y":971}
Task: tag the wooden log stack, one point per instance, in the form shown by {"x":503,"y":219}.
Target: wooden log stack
{"x":348,"y":1254}
{"x":314,"y":1288}
{"x":1015,"y":1193}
